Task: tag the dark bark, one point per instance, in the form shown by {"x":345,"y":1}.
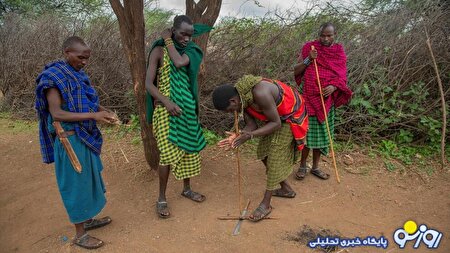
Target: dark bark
{"x":131,"y":25}
{"x":205,"y":12}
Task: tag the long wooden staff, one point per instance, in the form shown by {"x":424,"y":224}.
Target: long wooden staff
{"x":236,"y":129}
{"x":326,"y":118}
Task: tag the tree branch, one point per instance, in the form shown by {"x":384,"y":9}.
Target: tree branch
{"x":441,"y":90}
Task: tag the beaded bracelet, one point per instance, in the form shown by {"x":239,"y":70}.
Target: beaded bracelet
{"x":168,"y":42}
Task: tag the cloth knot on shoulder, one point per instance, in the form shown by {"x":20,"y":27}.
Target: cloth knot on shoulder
{"x":244,"y":86}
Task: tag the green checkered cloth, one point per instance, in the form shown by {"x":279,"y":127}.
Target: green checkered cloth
{"x":317,"y":136}
{"x":178,"y":138}
{"x":183,"y":164}
{"x":281,"y":152}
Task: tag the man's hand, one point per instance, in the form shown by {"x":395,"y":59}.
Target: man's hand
{"x":328,"y":90}
{"x":105,"y":117}
{"x":243,"y":137}
{"x":226,"y":143}
{"x":312,"y":54}
{"x":166,"y":33}
{"x":172,"y":108}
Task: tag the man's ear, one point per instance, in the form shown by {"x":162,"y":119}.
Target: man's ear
{"x":234,"y":100}
{"x":66,"y":52}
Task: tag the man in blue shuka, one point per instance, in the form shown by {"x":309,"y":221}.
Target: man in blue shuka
{"x":68,"y":109}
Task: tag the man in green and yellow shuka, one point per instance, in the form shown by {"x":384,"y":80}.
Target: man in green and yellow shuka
{"x":172,"y":105}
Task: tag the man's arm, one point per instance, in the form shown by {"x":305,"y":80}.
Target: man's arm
{"x":155,"y":57}
{"x":300,"y":67}
{"x":264,"y":99}
{"x":177,"y":59}
{"x":245,"y":133}
{"x":54,"y":105}
{"x":250,"y":123}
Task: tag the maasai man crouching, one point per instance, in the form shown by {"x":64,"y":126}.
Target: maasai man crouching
{"x":279,"y":111}
{"x":331,"y":63}
{"x":64,"y":96}
{"x":173,"y":66}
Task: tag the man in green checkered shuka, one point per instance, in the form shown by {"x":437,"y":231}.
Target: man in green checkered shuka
{"x":172,"y":107}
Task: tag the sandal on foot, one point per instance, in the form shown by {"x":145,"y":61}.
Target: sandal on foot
{"x":83,"y":241}
{"x":263,"y":212}
{"x":162,"y":209}
{"x":97,"y":223}
{"x":301,"y":173}
{"x":320,"y":174}
{"x":283,"y":194}
{"x":194,"y":196}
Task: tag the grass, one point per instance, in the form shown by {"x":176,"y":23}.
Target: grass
{"x":408,"y":155}
{"x":394,"y":157}
{"x":10,"y":125}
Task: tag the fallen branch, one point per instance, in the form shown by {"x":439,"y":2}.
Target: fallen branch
{"x":441,"y":90}
{"x":236,"y":128}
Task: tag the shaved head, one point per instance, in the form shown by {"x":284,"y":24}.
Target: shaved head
{"x":326,"y":25}
{"x":71,"y":41}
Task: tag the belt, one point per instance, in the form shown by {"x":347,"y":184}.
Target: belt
{"x":65,"y":134}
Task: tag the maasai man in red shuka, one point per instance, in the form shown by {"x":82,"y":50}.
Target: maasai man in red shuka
{"x":331,"y":62}
{"x":275,"y":112}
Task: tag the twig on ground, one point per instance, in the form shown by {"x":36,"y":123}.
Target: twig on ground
{"x":358,"y":223}
{"x":310,"y":201}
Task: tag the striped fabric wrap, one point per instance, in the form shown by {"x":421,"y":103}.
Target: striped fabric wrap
{"x":179,"y":138}
{"x":184,"y":130}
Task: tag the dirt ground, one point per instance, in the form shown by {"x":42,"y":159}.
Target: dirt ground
{"x":369,"y":201}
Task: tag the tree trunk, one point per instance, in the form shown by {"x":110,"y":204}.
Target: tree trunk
{"x":205,"y":12}
{"x":131,"y":25}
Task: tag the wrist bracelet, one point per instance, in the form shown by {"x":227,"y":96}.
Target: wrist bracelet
{"x":306,"y":61}
{"x":168,"y":41}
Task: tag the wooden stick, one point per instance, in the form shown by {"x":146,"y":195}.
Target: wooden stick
{"x":68,"y":147}
{"x":244,"y":212}
{"x":441,"y":90}
{"x":326,"y":118}
{"x":236,"y":129}
{"x":121,"y":150}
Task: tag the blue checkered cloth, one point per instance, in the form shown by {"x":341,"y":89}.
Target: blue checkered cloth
{"x":80,"y":97}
